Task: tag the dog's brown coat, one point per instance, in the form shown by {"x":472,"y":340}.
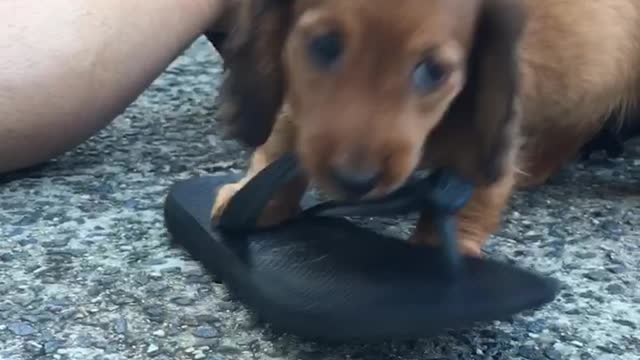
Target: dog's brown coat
{"x":532,"y":81}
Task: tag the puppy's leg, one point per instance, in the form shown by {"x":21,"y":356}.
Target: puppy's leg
{"x":547,"y":152}
{"x":479,"y":219}
{"x":543,"y":163}
{"x":286,"y":202}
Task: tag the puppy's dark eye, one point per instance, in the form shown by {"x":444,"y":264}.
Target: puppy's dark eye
{"x":428,"y":75}
{"x":325,"y":50}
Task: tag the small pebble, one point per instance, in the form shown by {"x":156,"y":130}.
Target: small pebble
{"x":155,"y":275}
{"x":618,"y":269}
{"x":597,"y":275}
{"x":68,"y":313}
{"x":188,"y":320}
{"x":111,"y":270}
{"x":28,"y":241}
{"x":6,"y":257}
{"x":21,"y":328}
{"x":577,"y":343}
{"x":213,"y":342}
{"x":52,"y":346}
{"x":58,"y":243}
{"x":626,"y":323}
{"x":121,"y":326}
{"x":198,"y":279}
{"x":207,"y":318}
{"x":553,"y":354}
{"x":153,"y":349}
{"x":34,"y":348}
{"x":612,"y":227}
{"x":229,"y":349}
{"x":120,"y":297}
{"x":527,"y":352}
{"x":573,"y":311}
{"x":206,"y":332}
{"x":95,"y":291}
{"x":615,"y":289}
{"x":545,"y":339}
{"x":216,"y":357}
{"x":141,"y":279}
{"x":172,"y":270}
{"x":586,"y":255}
{"x":182,"y":300}
{"x":173,"y":329}
{"x":155,"y":312}
{"x":156,"y":288}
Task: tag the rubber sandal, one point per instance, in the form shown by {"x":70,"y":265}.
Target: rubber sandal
{"x":320,"y":276}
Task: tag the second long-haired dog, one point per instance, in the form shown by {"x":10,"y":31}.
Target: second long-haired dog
{"x":366,"y":91}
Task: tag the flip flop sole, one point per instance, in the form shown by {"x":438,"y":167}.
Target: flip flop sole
{"x":326,"y":278}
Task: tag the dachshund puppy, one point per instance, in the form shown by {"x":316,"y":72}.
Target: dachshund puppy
{"x":505,"y":92}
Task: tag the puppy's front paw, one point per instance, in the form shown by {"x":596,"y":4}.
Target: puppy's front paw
{"x":466,"y":245}
{"x":471,"y":248}
{"x":277,"y":210}
{"x":225,"y":193}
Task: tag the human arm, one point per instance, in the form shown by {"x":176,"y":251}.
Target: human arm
{"x":68,"y":67}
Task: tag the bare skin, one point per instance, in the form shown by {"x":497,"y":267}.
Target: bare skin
{"x":69,"y":67}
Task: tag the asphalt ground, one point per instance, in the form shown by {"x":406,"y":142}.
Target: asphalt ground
{"x":86,"y":271}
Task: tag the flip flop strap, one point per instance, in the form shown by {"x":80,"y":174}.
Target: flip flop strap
{"x":245,"y":207}
{"x":441,"y":194}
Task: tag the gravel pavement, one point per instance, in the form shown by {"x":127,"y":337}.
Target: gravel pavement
{"x":86,"y":272}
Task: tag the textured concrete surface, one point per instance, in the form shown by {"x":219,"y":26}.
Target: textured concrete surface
{"x":86,"y":273}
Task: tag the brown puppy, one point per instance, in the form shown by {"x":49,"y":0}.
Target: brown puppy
{"x":366,"y":91}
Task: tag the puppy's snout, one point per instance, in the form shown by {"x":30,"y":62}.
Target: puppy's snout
{"x":355,"y":183}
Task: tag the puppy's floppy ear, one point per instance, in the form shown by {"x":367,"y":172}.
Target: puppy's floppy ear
{"x":253,"y":90}
{"x":478,"y":133}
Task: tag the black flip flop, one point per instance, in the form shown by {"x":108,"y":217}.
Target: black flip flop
{"x":321,"y":276}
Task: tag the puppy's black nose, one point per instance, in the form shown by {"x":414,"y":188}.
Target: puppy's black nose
{"x":356,"y":183}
